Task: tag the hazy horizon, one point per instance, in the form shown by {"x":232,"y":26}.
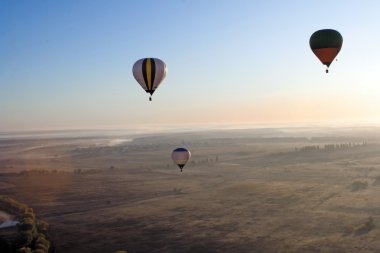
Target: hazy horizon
{"x":200,"y":127}
{"x":291,"y":130}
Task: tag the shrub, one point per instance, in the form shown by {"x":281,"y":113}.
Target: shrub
{"x":377,"y":181}
{"x":361,"y":228}
{"x":365,"y":227}
{"x":358,"y":185}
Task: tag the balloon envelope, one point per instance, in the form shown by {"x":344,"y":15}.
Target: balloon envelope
{"x":181,"y":156}
{"x":149,"y":73}
{"x":326,"y":45}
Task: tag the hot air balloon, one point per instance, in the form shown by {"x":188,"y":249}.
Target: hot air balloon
{"x":149,"y":73}
{"x":180,"y":156}
{"x":326,"y":45}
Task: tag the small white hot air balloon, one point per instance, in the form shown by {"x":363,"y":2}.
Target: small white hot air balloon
{"x":181,"y":156}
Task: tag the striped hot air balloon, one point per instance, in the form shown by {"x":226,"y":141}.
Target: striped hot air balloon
{"x":326,"y":45}
{"x":149,"y":73}
{"x":181,"y":156}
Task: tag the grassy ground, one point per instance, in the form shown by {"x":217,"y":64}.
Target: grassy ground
{"x":259,"y":196}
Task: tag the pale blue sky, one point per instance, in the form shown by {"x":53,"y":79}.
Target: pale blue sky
{"x":67,"y":64}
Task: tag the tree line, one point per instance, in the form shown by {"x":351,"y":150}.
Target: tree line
{"x":331,"y":147}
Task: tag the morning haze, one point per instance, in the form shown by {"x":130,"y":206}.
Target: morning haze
{"x":248,"y":190}
{"x":284,"y":157}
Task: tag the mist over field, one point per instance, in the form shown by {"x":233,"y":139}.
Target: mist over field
{"x":244,"y":190}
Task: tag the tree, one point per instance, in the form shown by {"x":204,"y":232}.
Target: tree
{"x":43,"y":226}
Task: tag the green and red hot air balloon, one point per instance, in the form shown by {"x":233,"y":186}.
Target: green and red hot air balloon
{"x":326,"y":45}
